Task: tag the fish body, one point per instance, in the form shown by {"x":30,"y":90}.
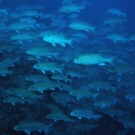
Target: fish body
{"x":36,"y":78}
{"x":17,"y":26}
{"x":42,"y":86}
{"x":23,"y":37}
{"x":81,"y":25}
{"x":54,"y":109}
{"x":59,"y":99}
{"x":101,"y":85}
{"x":23,"y":93}
{"x":83,"y":94}
{"x":41,"y":51}
{"x":60,"y":77}
{"x":93,"y":59}
{"x":118,"y":38}
{"x":71,"y":7}
{"x":59,"y":116}
{"x":48,"y":66}
{"x":28,"y":127}
{"x":116,"y":12}
{"x":55,"y":38}
{"x":14,"y":99}
{"x":88,"y":114}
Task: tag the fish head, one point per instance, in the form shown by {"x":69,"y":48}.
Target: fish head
{"x":73,"y":93}
{"x":36,"y":66}
{"x":30,"y":51}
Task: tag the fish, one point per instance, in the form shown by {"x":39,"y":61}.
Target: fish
{"x":59,"y":99}
{"x":28,"y":20}
{"x":122,"y":68}
{"x":118,"y":38}
{"x":8,"y":63}
{"x":74,"y":74}
{"x":105,"y":102}
{"x":93,"y":59}
{"x":81,"y":25}
{"x":115,"y":20}
{"x":131,"y":96}
{"x":55,"y":38}
{"x":80,"y":93}
{"x":14,"y":99}
{"x":102,"y":85}
{"x":29,"y":126}
{"x":116,"y":12}
{"x":4,"y":72}
{"x":72,"y":7}
{"x":54,"y":109}
{"x":37,"y":78}
{"x":24,"y":93}
{"x":60,"y":77}
{"x":42,"y":51}
{"x":49,"y":66}
{"x":23,"y":37}
{"x":32,"y":13}
{"x":43,"y":86}
{"x":82,"y":113}
{"x":59,"y":116}
{"x":17,"y":26}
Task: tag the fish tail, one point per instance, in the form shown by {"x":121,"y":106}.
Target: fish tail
{"x":56,"y":55}
{"x":70,"y":42}
{"x":60,"y":70}
{"x":93,"y":29}
{"x":112,"y":61}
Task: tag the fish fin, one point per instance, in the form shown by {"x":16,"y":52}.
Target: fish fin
{"x":47,"y":131}
{"x":27,"y":132}
{"x":112,"y":61}
{"x":63,"y":45}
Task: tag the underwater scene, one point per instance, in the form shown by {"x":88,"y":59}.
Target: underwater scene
{"x":67,"y":67}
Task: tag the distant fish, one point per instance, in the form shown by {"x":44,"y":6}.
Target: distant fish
{"x":14,"y":99}
{"x":24,"y":93}
{"x":82,"y":113}
{"x":29,"y":126}
{"x":116,"y":12}
{"x":54,"y":109}
{"x":118,"y":38}
{"x":49,"y":66}
{"x":81,"y":25}
{"x":71,"y":7}
{"x":59,"y":116}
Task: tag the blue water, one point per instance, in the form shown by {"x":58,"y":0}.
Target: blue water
{"x":103,"y":82}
